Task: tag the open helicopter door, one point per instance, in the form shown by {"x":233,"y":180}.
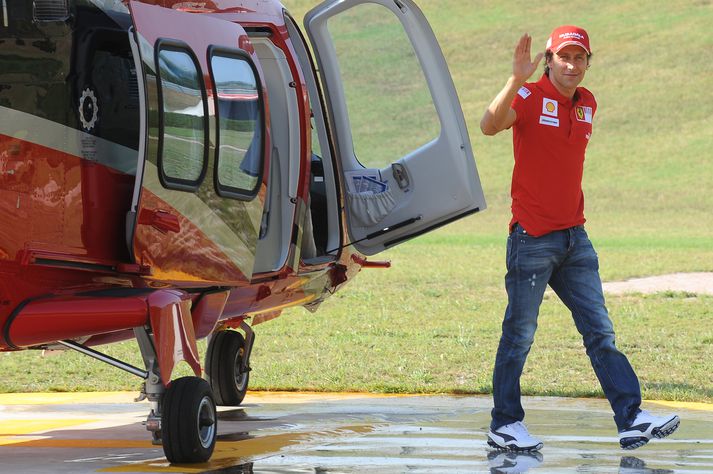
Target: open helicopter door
{"x":197,"y":202}
{"x":406,"y":161}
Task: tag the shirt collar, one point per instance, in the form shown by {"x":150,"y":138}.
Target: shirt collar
{"x":550,"y":90}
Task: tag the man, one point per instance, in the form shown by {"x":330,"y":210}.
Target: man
{"x":552,"y":124}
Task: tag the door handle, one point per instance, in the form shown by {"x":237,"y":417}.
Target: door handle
{"x":163,"y":221}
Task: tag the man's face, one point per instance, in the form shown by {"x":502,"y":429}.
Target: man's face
{"x":567,"y":68}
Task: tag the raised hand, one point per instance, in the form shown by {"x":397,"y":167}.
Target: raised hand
{"x":522,"y":65}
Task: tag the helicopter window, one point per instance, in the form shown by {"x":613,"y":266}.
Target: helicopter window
{"x":183,"y":145}
{"x":238,"y":105}
{"x":384,"y":85}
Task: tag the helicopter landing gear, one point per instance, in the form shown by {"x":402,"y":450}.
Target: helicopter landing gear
{"x":227,"y":365}
{"x":183,"y":417}
{"x":188,"y":421}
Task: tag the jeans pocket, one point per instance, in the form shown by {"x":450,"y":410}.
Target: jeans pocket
{"x":511,"y":250}
{"x":508,"y":249}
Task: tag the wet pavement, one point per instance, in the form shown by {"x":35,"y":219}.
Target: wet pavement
{"x":343,"y":433}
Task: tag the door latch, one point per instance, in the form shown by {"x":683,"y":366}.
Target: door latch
{"x":400,"y":175}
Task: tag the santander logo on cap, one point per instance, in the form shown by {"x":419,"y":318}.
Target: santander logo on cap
{"x":566,"y":35}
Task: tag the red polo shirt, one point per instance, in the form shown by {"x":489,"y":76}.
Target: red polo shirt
{"x":550,"y":136}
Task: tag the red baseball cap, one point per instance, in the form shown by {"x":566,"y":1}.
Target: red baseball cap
{"x":565,"y":35}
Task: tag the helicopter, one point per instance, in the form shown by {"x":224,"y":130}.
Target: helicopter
{"x":172,"y":171}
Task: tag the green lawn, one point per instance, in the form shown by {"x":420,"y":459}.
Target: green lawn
{"x":431,"y":323}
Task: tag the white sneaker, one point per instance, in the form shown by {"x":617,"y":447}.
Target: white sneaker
{"x":646,"y":426}
{"x":512,"y":462}
{"x":514,"y":437}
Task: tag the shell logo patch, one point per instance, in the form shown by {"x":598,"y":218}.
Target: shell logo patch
{"x":583,"y":114}
{"x":549,"y":107}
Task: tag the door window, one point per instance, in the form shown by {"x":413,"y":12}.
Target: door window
{"x":391,"y":111}
{"x":183,"y":144}
{"x":240,"y":124}
{"x":391,"y":100}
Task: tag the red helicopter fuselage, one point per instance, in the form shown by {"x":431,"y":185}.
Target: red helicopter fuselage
{"x":67,"y":182}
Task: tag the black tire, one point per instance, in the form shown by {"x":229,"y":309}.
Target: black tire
{"x":222,"y":367}
{"x":189,"y":422}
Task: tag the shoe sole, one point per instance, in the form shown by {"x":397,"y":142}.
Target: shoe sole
{"x":658,"y":433}
{"x":629,"y":446}
{"x":666,"y":430}
{"x":514,"y":448}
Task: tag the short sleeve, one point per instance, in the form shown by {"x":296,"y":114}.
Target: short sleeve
{"x":519,"y":103}
{"x":594,"y":106}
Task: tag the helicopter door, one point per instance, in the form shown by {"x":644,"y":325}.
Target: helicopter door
{"x":406,"y":160}
{"x":197,"y":202}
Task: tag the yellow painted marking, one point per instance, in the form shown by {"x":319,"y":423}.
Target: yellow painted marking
{"x":61,"y":398}
{"x":309,"y":397}
{"x":685,"y":405}
{"x":66,"y":397}
{"x":232,"y":453}
{"x":83,"y":443}
{"x":14,"y":432}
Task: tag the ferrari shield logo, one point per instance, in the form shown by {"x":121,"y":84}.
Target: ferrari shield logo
{"x":584,"y":114}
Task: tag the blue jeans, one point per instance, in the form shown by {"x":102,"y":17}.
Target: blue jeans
{"x":565,"y":260}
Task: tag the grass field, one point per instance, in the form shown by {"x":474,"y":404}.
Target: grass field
{"x":431,"y":323}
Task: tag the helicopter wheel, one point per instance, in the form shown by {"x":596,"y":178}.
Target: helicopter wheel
{"x":224,"y":359}
{"x":189,"y":423}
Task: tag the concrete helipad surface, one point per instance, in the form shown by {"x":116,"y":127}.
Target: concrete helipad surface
{"x":342,"y":433}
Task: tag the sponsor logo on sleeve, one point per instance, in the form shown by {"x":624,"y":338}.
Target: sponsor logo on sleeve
{"x":524,"y":92}
{"x":551,"y":121}
{"x":584,"y":114}
{"x":549,"y":107}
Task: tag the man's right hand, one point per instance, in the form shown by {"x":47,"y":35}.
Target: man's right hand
{"x":522,"y":65}
{"x":499,"y":116}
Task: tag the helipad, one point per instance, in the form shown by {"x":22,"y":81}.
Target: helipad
{"x":342,"y":433}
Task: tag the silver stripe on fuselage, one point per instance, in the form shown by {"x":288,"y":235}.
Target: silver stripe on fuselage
{"x":59,"y":137}
{"x":47,"y":133}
